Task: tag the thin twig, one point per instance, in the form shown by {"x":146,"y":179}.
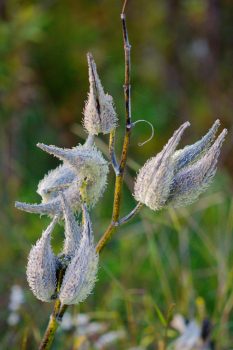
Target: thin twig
{"x":111,"y":147}
{"x":53,"y":321}
{"x":128,"y":126}
{"x":128,"y":217}
{"x":124,"y":6}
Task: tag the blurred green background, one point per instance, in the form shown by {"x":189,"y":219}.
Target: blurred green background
{"x":182,"y":57}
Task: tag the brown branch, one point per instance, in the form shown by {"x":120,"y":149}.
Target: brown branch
{"x":124,"y":6}
{"x":128,"y":126}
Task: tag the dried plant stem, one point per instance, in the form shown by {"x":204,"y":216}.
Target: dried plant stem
{"x":59,"y":311}
{"x":128,"y":127}
{"x":111,"y":148}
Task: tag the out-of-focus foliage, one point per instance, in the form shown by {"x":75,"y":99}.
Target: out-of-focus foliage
{"x":182,"y":56}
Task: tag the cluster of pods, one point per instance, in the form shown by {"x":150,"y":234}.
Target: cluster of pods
{"x":173,"y":177}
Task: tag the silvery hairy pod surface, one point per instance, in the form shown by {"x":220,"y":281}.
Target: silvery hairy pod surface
{"x":83,"y":162}
{"x":41,"y":267}
{"x":73,"y":230}
{"x":80,"y":275}
{"x":99,"y":112}
{"x":152,"y":186}
{"x":191,"y":180}
{"x":179,"y":177}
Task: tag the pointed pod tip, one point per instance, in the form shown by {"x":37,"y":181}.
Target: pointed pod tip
{"x":39,"y":144}
{"x":90,"y":59}
{"x":54,"y":150}
{"x":186,"y":124}
{"x":22,"y":205}
{"x":215,"y":127}
{"x":89,"y":55}
{"x":181,"y":129}
{"x":224,"y":133}
{"x":58,"y":152}
{"x":220,"y":139}
{"x":43,"y":146}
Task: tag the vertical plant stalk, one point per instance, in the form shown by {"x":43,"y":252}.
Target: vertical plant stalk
{"x":59,"y":311}
{"x":112,"y":154}
{"x":128,"y":127}
{"x":54,"y":317}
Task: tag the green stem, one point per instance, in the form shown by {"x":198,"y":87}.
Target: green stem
{"x":111,"y":148}
{"x":128,"y":127}
{"x":129,"y":216}
{"x":54,"y":317}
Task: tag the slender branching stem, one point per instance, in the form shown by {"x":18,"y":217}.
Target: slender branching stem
{"x":112,"y":153}
{"x":49,"y":333}
{"x":59,"y":310}
{"x":128,"y":126}
{"x":53,"y":321}
{"x":128,"y":217}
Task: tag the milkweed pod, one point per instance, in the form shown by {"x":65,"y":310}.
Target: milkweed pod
{"x":152,"y":186}
{"x":191,"y":153}
{"x":52,"y":208}
{"x":89,"y":165}
{"x":192,"y":180}
{"x":79,"y":157}
{"x":80,"y":275}
{"x":99,"y":112}
{"x":79,"y":163}
{"x":72,"y":229}
{"x":41,"y":267}
{"x":178,"y":177}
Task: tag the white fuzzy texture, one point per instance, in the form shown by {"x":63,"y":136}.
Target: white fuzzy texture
{"x":179,"y":177}
{"x":79,"y":163}
{"x":72,"y":229}
{"x":99,"y":112}
{"x":41,"y":267}
{"x":152,"y":186}
{"x":80,"y":276}
{"x":192,"y":180}
{"x":191,"y":153}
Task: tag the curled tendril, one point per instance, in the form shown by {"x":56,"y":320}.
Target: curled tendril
{"x":152,"y":131}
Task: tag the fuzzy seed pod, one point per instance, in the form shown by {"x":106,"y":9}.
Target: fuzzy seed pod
{"x":179,"y":177}
{"x":152,"y":186}
{"x":41,"y":267}
{"x":193,"y":179}
{"x":190,"y":154}
{"x":80,"y":275}
{"x":72,"y":229}
{"x":99,"y":112}
{"x":79,"y":163}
